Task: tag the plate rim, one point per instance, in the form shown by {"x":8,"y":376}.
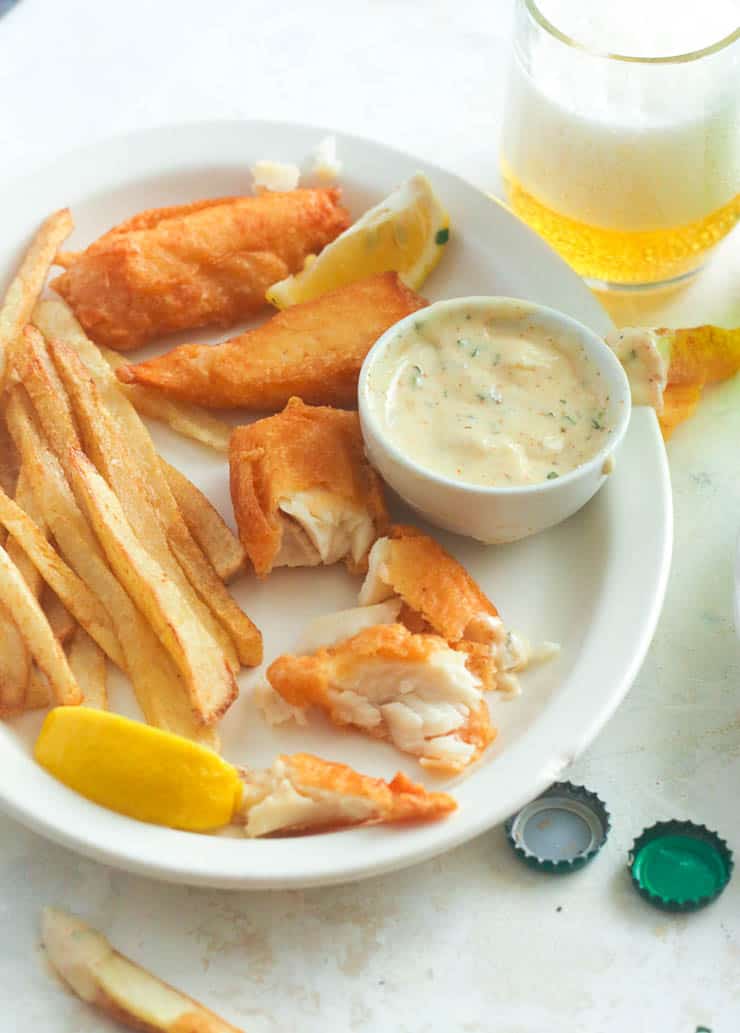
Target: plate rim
{"x":457,"y":831}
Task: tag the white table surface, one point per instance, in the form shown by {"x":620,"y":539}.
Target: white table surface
{"x":472,"y":942}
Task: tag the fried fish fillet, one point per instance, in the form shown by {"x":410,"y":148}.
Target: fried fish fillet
{"x":413,"y":690}
{"x":303,"y":492}
{"x":438,"y":595}
{"x":313,"y":350}
{"x":202,"y":264}
{"x":301,"y":792}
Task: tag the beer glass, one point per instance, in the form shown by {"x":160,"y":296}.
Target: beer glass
{"x":626,"y":161}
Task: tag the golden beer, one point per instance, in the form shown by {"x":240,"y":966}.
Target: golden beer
{"x":609,"y":256}
{"x":628,"y":166}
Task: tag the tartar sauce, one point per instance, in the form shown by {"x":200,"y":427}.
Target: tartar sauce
{"x":468,"y":397}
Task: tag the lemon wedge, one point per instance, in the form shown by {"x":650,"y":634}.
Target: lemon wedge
{"x":137,"y":770}
{"x":406,"y":232}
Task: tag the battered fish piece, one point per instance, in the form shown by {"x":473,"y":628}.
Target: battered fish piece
{"x":313,"y":350}
{"x":440,"y":596}
{"x":301,"y":792}
{"x":413,"y":690}
{"x":303,"y":492}
{"x":207,"y":263}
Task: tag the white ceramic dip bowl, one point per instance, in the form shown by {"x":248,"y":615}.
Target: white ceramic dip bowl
{"x":499,"y":514}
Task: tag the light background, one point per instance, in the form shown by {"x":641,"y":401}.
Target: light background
{"x":472,"y":942}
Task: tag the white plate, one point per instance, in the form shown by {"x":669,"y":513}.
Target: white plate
{"x":595,"y":584}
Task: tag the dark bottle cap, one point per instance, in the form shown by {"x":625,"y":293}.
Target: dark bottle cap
{"x":680,"y":866}
{"x":560,"y":831}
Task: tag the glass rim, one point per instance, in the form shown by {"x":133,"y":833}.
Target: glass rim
{"x":531,"y":6}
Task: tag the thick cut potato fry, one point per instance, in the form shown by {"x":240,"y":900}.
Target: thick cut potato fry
{"x":9,"y":463}
{"x":25,"y":500}
{"x":38,"y":692}
{"x":113,"y":457}
{"x":15,"y":664}
{"x":197,"y":655}
{"x":117,"y":986}
{"x":159,"y":689}
{"x":205,"y":523}
{"x":128,"y":427}
{"x":87,"y":661}
{"x":15,"y":661}
{"x":36,"y":371}
{"x":39,"y":638}
{"x":83,"y":604}
{"x":24,"y":290}
{"x":56,"y":320}
{"x":61,"y":621}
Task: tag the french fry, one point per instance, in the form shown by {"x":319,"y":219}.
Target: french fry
{"x":87,"y":661}
{"x":61,"y":621}
{"x":25,"y":289}
{"x":15,"y":661}
{"x":223,"y":549}
{"x":196,"y":654}
{"x":159,"y":689}
{"x":25,"y":500}
{"x":39,"y":638}
{"x":84,"y":605}
{"x":122,"y":449}
{"x":107,"y":980}
{"x":38,"y":692}
{"x":112,"y":455}
{"x":55,"y":319}
{"x":9,"y":463}
{"x":37,"y":373}
{"x":14,"y":664}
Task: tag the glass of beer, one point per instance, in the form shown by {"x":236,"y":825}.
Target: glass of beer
{"x":621,"y":143}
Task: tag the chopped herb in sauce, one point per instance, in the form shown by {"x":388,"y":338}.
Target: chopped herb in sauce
{"x":527,"y":420}
{"x":442,"y":236}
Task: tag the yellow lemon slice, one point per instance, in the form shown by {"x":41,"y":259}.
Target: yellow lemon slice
{"x":137,"y":770}
{"x":406,"y":232}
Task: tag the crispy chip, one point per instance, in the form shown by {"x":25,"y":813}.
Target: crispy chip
{"x":205,"y":523}
{"x":14,"y":664}
{"x":61,"y":621}
{"x":159,"y":689}
{"x":76,"y":596}
{"x":101,"y":406}
{"x":34,"y":627}
{"x":109,"y":451}
{"x":196,"y":654}
{"x":25,"y":288}
{"x":87,"y":661}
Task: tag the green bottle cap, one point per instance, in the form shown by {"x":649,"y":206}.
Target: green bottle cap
{"x":680,"y":866}
{"x":560,"y":831}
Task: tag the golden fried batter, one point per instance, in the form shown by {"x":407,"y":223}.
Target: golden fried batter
{"x":438,"y":595}
{"x":302,"y":489}
{"x":301,"y":792}
{"x":413,"y":690}
{"x":202,"y":264}
{"x":314,"y":350}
